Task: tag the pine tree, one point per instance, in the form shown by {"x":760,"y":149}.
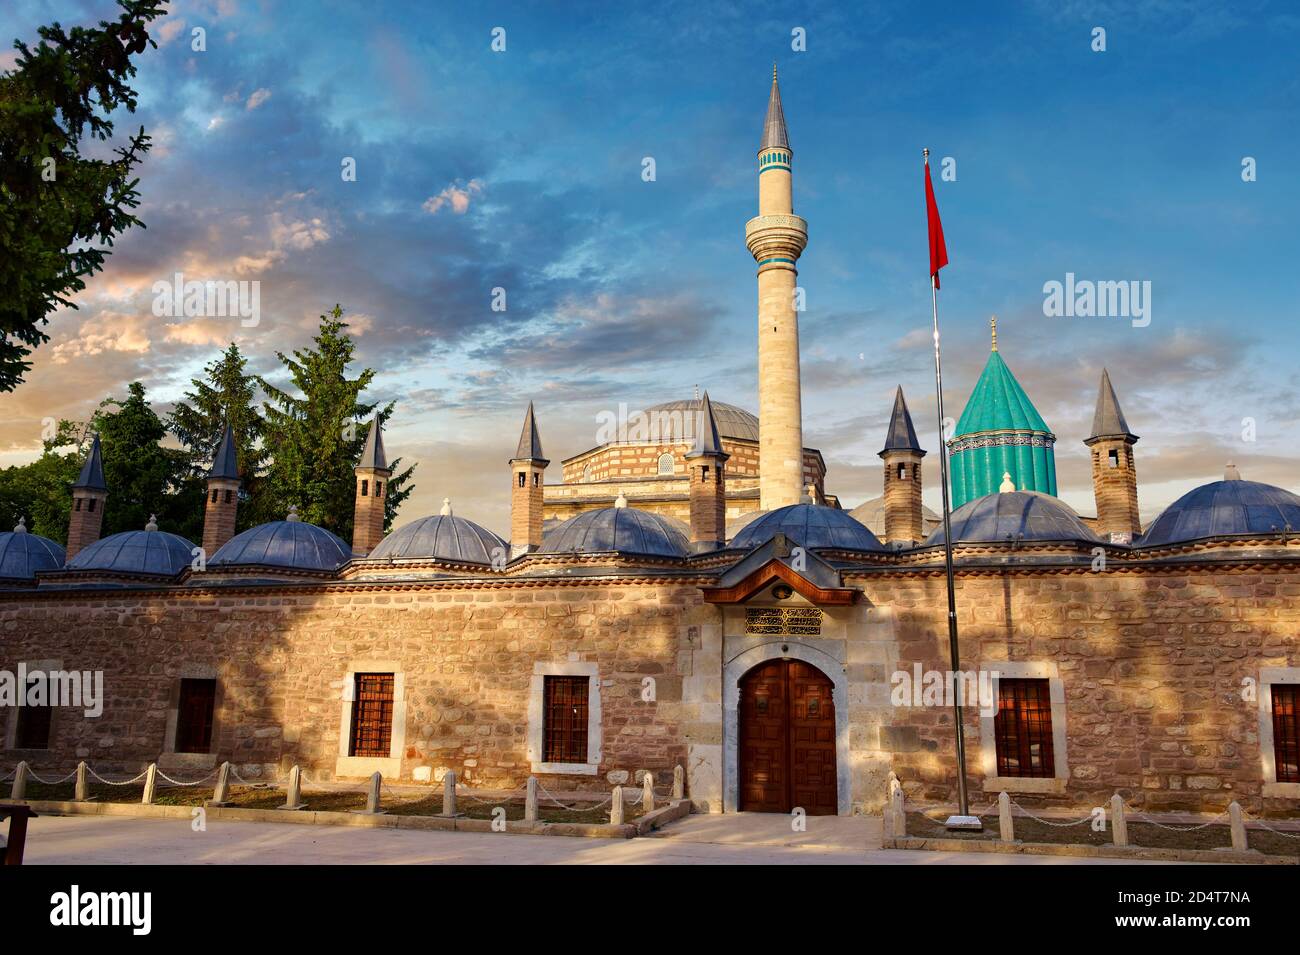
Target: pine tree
{"x":143,"y":477}
{"x":227,"y":394}
{"x":60,"y":210}
{"x":316,"y":439}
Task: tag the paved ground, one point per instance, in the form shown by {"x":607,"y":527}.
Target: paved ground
{"x":744,"y":839}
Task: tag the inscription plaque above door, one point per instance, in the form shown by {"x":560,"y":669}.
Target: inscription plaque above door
{"x":795,"y":621}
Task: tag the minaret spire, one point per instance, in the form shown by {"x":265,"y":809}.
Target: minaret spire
{"x":776,"y":237}
{"x":993,"y":326}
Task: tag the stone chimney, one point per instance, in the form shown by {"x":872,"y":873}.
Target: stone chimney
{"x":527,"y":470}
{"x":88,"y":497}
{"x":222,"y":503}
{"x":1114,"y":472}
{"x":372,"y":474}
{"x":707,"y":464}
{"x":902,"y":455}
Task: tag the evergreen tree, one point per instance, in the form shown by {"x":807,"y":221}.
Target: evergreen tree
{"x":143,"y":477}
{"x":227,"y":393}
{"x":316,"y":437}
{"x":59,"y":209}
{"x":41,"y":491}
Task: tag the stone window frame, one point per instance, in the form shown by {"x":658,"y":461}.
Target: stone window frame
{"x":1268,"y":677}
{"x":390,"y":766}
{"x":169,"y":758}
{"x":11,"y":727}
{"x":1027,"y":670}
{"x":537,"y":716}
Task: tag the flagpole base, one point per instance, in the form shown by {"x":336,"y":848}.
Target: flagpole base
{"x":964,"y":824}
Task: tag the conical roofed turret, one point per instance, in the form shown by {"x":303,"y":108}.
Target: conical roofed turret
{"x":774,"y":131}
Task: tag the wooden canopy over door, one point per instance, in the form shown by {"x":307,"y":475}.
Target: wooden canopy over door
{"x":787,"y":739}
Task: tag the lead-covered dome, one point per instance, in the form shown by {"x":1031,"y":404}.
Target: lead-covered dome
{"x":1229,"y":508}
{"x":676,"y":422}
{"x":289,"y":544}
{"x":1014,"y":516}
{"x":442,"y":537}
{"x":22,"y":554}
{"x":626,"y":530}
{"x":151,"y":552}
{"x":809,"y":525}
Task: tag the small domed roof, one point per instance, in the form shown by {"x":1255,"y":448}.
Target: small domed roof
{"x":871,"y":514}
{"x":291,"y":544}
{"x":809,"y":525}
{"x":1230,"y":508}
{"x":442,"y":537}
{"x":627,"y":530}
{"x":136,"y":552}
{"x":22,"y":554}
{"x":1014,"y":515}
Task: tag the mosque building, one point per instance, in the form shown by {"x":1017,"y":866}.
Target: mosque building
{"x":692,"y":596}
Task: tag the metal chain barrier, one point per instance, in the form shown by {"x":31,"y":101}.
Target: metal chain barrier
{"x":109,"y":782}
{"x":1265,"y":825}
{"x":1048,"y":822}
{"x":49,"y":782}
{"x":177,"y":782}
{"x":491,"y":802}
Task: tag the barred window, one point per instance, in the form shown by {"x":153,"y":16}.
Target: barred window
{"x":564,"y":728}
{"x":1023,"y":729}
{"x":1286,"y":731}
{"x":372,"y":715}
{"x":665,"y":465}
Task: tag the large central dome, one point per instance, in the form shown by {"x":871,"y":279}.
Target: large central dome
{"x":676,"y":421}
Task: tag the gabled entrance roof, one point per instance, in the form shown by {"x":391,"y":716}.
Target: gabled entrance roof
{"x":817,"y":582}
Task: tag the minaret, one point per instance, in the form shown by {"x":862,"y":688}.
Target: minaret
{"x":707,"y":462}
{"x":372,"y":474}
{"x":776,"y":237}
{"x":902,"y":455}
{"x":88,"y":497}
{"x":1114,"y":474}
{"x":527,"y":468}
{"x":223,"y":495}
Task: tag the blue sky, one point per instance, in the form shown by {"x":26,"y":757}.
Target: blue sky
{"x":522,"y":170}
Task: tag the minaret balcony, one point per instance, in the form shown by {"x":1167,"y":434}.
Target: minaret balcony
{"x":776,"y":237}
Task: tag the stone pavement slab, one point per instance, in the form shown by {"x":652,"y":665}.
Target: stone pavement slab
{"x":106,"y":840}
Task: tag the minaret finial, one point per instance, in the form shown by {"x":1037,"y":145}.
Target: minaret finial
{"x":993,"y":324}
{"x":774,"y":71}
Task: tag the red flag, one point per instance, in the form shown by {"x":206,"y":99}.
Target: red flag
{"x":938,"y":251}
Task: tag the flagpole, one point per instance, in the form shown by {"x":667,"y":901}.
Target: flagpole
{"x":964,"y":803}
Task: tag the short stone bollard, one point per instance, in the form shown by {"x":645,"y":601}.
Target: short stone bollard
{"x":1118,"y":824}
{"x":449,"y":794}
{"x":293,"y":798}
{"x":898,"y":810}
{"x":1006,"y":825}
{"x":647,"y":793}
{"x":222,"y":791}
{"x":372,"y":796}
{"x":1239,"y":840}
{"x":530,"y":800}
{"x":82,"y":793}
{"x":18,"y":791}
{"x":616,"y":807}
{"x":150,"y":785}
{"x":679,"y":782}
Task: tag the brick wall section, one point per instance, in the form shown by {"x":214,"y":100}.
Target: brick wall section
{"x":1152,"y":667}
{"x":467,"y":656}
{"x":84,"y":523}
{"x":708,"y":500}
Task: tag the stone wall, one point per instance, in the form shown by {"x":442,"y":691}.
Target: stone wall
{"x":1152,"y":667}
{"x":467,"y":656}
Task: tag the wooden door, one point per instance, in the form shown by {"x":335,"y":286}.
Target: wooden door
{"x":787,"y":739}
{"x":194,"y":716}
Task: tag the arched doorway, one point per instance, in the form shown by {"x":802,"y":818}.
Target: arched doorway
{"x":787,"y":739}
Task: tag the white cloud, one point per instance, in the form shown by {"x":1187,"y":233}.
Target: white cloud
{"x":106,"y":332}
{"x":258,"y":97}
{"x":455,"y":195}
